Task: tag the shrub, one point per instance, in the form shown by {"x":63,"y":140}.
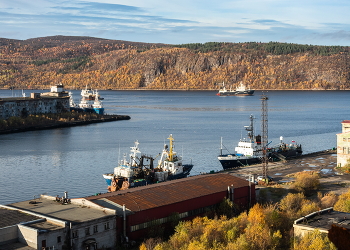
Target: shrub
{"x":306,"y":182}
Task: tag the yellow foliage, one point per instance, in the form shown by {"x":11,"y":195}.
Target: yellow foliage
{"x":314,"y":240}
{"x":143,"y":247}
{"x":343,"y":203}
{"x":256,"y":214}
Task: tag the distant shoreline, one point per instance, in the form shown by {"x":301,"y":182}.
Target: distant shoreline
{"x":204,"y":90}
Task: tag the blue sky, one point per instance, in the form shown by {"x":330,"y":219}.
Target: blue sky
{"x":316,"y":22}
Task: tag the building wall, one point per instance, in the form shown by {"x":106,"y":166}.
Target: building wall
{"x":301,"y":230}
{"x":51,"y":239}
{"x":343,"y":145}
{"x":28,"y":235}
{"x":105,"y":236}
{"x":8,"y":234}
{"x":187,"y":210}
{"x":24,"y":105}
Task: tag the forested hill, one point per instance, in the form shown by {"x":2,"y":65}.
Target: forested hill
{"x":111,"y":64}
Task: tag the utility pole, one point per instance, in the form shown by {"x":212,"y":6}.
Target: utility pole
{"x":264,"y":139}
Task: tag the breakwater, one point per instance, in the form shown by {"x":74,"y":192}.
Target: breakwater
{"x":63,"y":124}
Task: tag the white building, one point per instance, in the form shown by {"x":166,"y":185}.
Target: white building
{"x":343,"y":144}
{"x":49,"y":224}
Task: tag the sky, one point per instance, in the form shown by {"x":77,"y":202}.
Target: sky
{"x":315,"y":22}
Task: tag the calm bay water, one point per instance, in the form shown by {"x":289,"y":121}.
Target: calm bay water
{"x":74,"y":159}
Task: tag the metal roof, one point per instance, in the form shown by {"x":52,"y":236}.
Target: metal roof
{"x":170,"y":192}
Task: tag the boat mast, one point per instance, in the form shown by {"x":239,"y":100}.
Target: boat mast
{"x":264,"y":129}
{"x":171,"y":154}
{"x":250,"y":129}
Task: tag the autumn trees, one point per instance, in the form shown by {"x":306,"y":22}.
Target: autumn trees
{"x":268,"y":226}
{"x":109,"y":64}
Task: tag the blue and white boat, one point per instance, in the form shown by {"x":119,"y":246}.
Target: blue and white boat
{"x":140,"y":170}
{"x":85,"y":104}
{"x":97,"y":105}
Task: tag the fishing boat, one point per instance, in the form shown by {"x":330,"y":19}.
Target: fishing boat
{"x":249,"y":150}
{"x":139,"y":170}
{"x":241,"y":90}
{"x":89,"y":95}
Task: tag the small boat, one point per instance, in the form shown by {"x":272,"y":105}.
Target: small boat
{"x":249,"y":150}
{"x":89,"y":95}
{"x":284,"y":150}
{"x":140,"y":169}
{"x":241,"y":90}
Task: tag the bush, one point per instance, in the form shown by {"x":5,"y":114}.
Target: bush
{"x":306,"y":182}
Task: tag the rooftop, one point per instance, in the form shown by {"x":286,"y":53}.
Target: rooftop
{"x":11,"y":217}
{"x":44,"y":226}
{"x":325,"y":218}
{"x":69,"y":212}
{"x":169,"y":192}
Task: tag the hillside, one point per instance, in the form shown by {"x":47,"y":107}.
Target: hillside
{"x":111,"y":64}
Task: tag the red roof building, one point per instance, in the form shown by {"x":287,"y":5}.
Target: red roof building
{"x":138,"y":209}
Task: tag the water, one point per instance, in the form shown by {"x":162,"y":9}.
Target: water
{"x":74,"y":159}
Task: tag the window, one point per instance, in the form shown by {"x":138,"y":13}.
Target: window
{"x":87,"y":231}
{"x":75,"y":234}
{"x":106,"y":225}
{"x":344,"y":139}
{"x":95,"y":229}
{"x":59,"y":239}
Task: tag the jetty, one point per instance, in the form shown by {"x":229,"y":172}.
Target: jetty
{"x":59,"y":123}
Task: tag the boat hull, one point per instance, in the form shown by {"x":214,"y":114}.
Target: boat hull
{"x":236,"y":93}
{"x":228,"y":161}
{"x":99,"y":111}
{"x":143,"y":182}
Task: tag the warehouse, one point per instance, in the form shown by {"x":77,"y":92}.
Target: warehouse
{"x":138,"y":209}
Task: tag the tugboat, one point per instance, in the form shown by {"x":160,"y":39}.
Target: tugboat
{"x":249,"y":150}
{"x":241,"y":90}
{"x":140,"y":170}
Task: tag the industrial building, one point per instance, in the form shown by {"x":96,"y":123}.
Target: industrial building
{"x":333,"y":223}
{"x":57,"y":223}
{"x":123,"y":216}
{"x":343,"y":144}
{"x":55,"y":101}
{"x":139,"y":209}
